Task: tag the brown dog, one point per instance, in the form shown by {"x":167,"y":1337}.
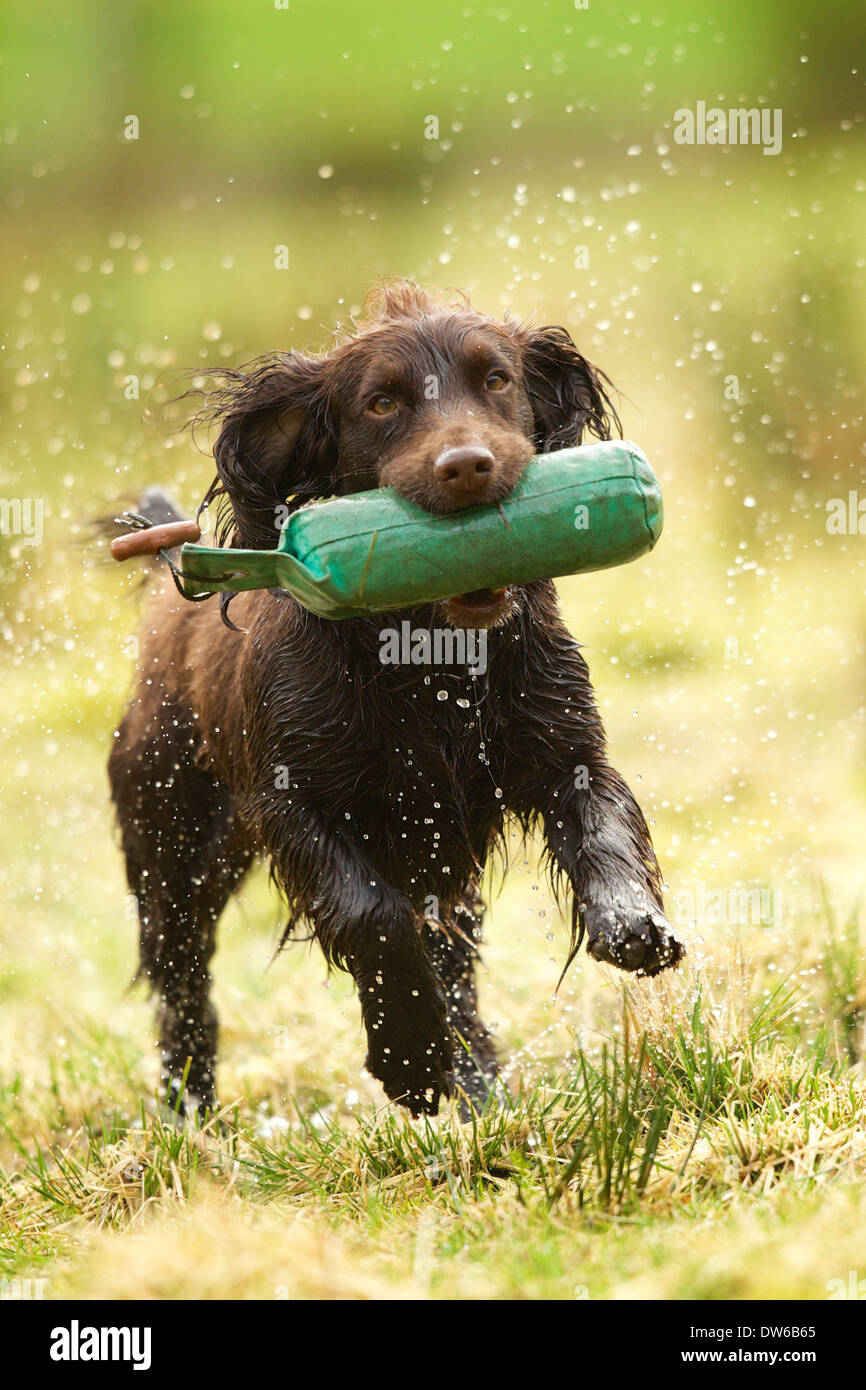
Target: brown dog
{"x":377,"y":801}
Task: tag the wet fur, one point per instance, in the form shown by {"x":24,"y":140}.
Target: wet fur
{"x":396,"y":798}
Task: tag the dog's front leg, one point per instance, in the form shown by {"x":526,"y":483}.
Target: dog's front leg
{"x":367,"y":927}
{"x":409,"y":1045}
{"x":598,"y":838}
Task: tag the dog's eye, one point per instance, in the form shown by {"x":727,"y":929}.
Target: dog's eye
{"x":382,"y":405}
{"x":496,"y":381}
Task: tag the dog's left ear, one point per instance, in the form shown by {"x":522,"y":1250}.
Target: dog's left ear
{"x":276,"y":441}
{"x":567,"y":393}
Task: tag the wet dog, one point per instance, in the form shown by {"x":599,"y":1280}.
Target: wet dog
{"x":264,"y":730}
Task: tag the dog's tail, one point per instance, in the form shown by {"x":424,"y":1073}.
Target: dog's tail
{"x":158,"y":508}
{"x":153,"y":527}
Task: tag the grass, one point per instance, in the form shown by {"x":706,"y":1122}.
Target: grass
{"x":670,"y":1159}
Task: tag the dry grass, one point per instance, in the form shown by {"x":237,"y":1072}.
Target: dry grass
{"x":700,"y":1150}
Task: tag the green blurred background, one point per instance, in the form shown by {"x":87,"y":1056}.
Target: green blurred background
{"x":729,"y":664}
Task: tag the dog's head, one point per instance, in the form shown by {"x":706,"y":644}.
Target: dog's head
{"x":427,"y":396}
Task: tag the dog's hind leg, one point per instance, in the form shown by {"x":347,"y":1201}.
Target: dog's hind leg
{"x":453,"y":949}
{"x":184,"y":857}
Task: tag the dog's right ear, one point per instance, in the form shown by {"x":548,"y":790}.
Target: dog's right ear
{"x":276,"y":441}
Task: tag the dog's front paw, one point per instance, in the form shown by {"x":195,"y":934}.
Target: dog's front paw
{"x":634,"y":936}
{"x":418,"y":1080}
{"x":410,"y":1053}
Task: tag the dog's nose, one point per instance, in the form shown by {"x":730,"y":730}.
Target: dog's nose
{"x":464,"y":468}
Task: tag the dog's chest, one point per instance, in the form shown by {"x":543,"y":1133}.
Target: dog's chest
{"x":429,"y":797}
